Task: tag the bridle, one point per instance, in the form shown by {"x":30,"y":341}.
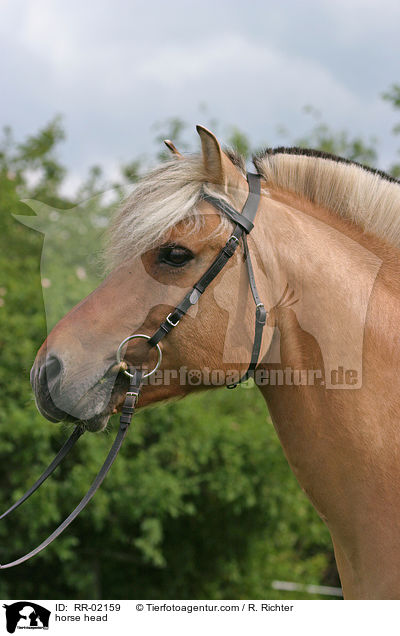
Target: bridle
{"x":243,"y":225}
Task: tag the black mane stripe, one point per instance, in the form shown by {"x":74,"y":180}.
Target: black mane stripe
{"x":319,"y":154}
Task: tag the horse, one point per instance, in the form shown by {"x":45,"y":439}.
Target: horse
{"x":325,"y":254}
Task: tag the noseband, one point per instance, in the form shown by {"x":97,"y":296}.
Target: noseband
{"x":243,"y":226}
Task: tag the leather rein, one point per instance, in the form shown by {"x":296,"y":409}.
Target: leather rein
{"x":243,"y":225}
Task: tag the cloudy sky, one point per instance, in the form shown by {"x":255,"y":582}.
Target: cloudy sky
{"x":114,"y":67}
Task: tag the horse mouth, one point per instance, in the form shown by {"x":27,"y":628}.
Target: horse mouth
{"x":93,"y":424}
{"x":98,"y":422}
{"x":92,"y":410}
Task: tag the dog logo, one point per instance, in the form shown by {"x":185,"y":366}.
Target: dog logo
{"x":26,"y":615}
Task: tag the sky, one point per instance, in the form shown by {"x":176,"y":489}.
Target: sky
{"x":113,"y":68}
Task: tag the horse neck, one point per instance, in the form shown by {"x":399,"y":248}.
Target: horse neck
{"x":340,"y":441}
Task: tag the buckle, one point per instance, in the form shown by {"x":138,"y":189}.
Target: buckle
{"x":261,"y":314}
{"x":231,"y":245}
{"x":170,"y":322}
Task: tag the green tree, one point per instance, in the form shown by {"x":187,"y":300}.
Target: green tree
{"x":393,"y":97}
{"x":338,"y":142}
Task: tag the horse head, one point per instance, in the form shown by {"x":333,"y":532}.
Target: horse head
{"x":161,"y":242}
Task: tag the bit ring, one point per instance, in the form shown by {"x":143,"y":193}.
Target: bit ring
{"x":138,"y":335}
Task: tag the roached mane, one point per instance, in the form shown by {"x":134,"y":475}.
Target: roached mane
{"x":370,"y":198}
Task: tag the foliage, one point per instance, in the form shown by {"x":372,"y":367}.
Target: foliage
{"x":341,"y":143}
{"x":393,"y":96}
{"x":239,"y":142}
{"x":201,"y":503}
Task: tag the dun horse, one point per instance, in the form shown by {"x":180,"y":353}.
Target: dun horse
{"x":325,"y":254}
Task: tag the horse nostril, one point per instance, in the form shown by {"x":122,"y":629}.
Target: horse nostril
{"x":50,"y":372}
{"x":46,"y":383}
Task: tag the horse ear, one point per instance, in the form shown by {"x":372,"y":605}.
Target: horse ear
{"x":172,"y":148}
{"x":212,"y":155}
{"x":219,"y":168}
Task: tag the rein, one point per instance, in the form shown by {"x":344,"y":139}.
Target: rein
{"x":243,"y":226}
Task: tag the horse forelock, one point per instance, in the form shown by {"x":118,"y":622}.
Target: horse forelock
{"x":166,"y":196}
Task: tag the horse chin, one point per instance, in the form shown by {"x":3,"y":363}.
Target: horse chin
{"x":97,"y":423}
{"x":94,"y":424}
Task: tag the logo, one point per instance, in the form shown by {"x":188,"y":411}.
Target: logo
{"x":26,"y":615}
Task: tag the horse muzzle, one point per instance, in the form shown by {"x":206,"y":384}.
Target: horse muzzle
{"x":66,"y":397}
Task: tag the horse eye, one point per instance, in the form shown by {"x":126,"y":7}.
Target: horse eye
{"x":175,"y":255}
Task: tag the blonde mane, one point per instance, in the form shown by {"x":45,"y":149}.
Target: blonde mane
{"x":169,"y":195}
{"x":369,"y":198}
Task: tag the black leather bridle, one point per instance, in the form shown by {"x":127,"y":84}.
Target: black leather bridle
{"x":243,"y":225}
